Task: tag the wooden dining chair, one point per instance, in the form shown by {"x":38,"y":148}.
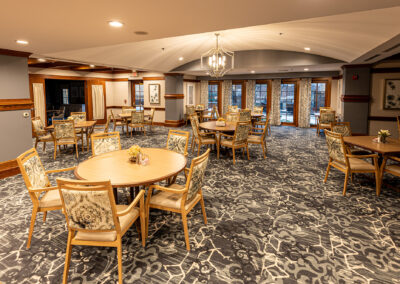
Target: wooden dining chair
{"x":105,"y":142}
{"x":40,"y":133}
{"x":78,"y":116}
{"x":137,"y":121}
{"x":149,"y":120}
{"x":392,"y":168}
{"x":93,"y":218}
{"x":37,"y":182}
{"x":116,"y":122}
{"x":233,"y":109}
{"x":398,"y":125}
{"x":181,"y":198}
{"x":178,"y":141}
{"x":202,"y":138}
{"x":232,"y":116}
{"x":102,"y":128}
{"x":207,"y":115}
{"x":238,"y":140}
{"x":325,"y":119}
{"x":341,"y":127}
{"x":245,"y":115}
{"x":257,"y":135}
{"x":215,"y":113}
{"x":200,"y":107}
{"x":341,"y":159}
{"x":258,"y":109}
{"x":64,"y":134}
{"x":190,"y":110}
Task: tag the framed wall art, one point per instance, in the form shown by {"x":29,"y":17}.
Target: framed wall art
{"x":154,"y":93}
{"x":392,"y":94}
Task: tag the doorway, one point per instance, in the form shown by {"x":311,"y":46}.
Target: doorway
{"x":64,"y":97}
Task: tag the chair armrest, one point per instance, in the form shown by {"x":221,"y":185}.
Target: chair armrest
{"x":397,"y":159}
{"x":167,"y":189}
{"x":60,"y":170}
{"x":133,"y":204}
{"x":223,"y":134}
{"x":206,"y":133}
{"x":362,"y":156}
{"x":43,"y":189}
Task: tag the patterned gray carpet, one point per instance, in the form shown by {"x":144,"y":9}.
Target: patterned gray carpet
{"x":269,"y":221}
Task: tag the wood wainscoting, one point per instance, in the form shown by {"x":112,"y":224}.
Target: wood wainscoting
{"x":15,"y":104}
{"x":9,"y":168}
{"x":174,"y":123}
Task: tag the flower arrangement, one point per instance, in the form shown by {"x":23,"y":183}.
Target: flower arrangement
{"x":70,"y":118}
{"x":220,"y":122}
{"x":134,"y":153}
{"x":382,"y":135}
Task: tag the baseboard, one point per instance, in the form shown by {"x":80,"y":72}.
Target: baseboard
{"x":9,"y":168}
{"x":159,"y":123}
{"x":174,"y":123}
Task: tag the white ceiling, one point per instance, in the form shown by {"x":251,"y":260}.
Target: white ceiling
{"x":78,"y":30}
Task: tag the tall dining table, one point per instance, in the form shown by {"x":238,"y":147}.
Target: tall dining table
{"x":391,"y":147}
{"x":87,"y":126}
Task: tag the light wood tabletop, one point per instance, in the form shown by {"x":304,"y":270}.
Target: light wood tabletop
{"x":392,"y":146}
{"x":80,"y":124}
{"x":116,"y":167}
{"x":211,"y":125}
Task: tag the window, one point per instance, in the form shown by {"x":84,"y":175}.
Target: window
{"x":212,"y":96}
{"x":237,"y":95}
{"x":317,"y":100}
{"x":65,"y":96}
{"x":287,"y":102}
{"x":139,"y":94}
{"x":260,"y":96}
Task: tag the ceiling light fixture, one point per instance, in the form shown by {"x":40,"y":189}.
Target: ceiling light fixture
{"x":180,"y":58}
{"x":115,"y":24}
{"x":307,"y":49}
{"x":217,"y":61}
{"x":92,"y":66}
{"x":306,"y":69}
{"x":21,"y":41}
{"x":41,"y":60}
{"x":252,"y":71}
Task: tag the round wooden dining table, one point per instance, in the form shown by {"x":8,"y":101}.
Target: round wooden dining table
{"x":116,"y":167}
{"x":211,"y":126}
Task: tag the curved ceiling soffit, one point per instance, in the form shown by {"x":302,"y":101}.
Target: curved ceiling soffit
{"x":261,"y":58}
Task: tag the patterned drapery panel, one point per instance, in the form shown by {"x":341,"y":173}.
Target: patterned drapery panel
{"x":204,"y":93}
{"x":39,"y":100}
{"x":304,"y":102}
{"x":98,"y":102}
{"x":226,"y":95}
{"x":250,"y":93}
{"x":276,"y":97}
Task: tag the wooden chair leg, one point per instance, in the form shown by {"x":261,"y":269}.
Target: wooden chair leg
{"x":32,"y":225}
{"x":76,"y":149}
{"x":67,"y":258}
{"x":119,"y":252}
{"x":44,"y":216}
{"x":198,"y":151}
{"x":218,"y":150}
{"x":36,"y":143}
{"x":263,"y":149}
{"x":44,"y":146}
{"x":345,"y":182}
{"x":185,"y":229}
{"x":55,"y":151}
{"x":248,"y":155}
{"x":143,"y":227}
{"x":378,"y":182}
{"x":144,"y":131}
{"x":233,"y":151}
{"x":327,"y":172}
{"x":203,"y":209}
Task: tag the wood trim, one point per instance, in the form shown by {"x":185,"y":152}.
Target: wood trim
{"x":15,"y":104}
{"x":296,"y":100}
{"x":10,"y":52}
{"x":133,"y":85}
{"x":337,"y":77}
{"x":356,"y":66}
{"x":117,"y":79}
{"x":386,"y":70}
{"x":191,"y":80}
{"x":382,"y":118}
{"x":80,"y":78}
{"x":328,"y":88}
{"x":174,"y":123}
{"x":355,"y":98}
{"x":153,"y":78}
{"x":159,"y":123}
{"x":9,"y":168}
{"x":173,"y":74}
{"x":174,"y":96}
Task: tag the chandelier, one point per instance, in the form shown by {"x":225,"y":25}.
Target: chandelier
{"x":217,"y":61}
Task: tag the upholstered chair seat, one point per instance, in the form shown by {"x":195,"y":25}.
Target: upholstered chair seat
{"x":50,"y":199}
{"x":254,"y":139}
{"x":202,"y":138}
{"x":356,"y":165}
{"x":172,"y":200}
{"x":237,"y":140}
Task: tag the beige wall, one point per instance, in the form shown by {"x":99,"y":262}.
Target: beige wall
{"x":376,"y":105}
{"x":336,"y":92}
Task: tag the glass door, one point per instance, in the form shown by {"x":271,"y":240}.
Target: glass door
{"x":288,"y":106}
{"x":261,"y":96}
{"x":318,"y":99}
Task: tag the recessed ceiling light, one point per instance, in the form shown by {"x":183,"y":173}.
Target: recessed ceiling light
{"x":306,"y":69}
{"x":307,"y":49}
{"x":252,"y":71}
{"x":92,"y":66}
{"x":21,"y":41}
{"x":115,"y":24}
{"x":180,"y":58}
{"x":41,"y":60}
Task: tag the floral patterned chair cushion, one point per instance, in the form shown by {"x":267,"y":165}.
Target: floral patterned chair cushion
{"x":64,"y":130}
{"x":241,"y":133}
{"x":79,"y":117}
{"x":245,"y":115}
{"x":342,"y":129}
{"x":36,"y":173}
{"x":105,"y":145}
{"x":177,"y":143}
{"x":89,"y":210}
{"x":196,"y":180}
{"x":258,"y":110}
{"x":327,"y":117}
{"x":38,"y":126}
{"x":335,"y":148}
{"x":137,"y":118}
